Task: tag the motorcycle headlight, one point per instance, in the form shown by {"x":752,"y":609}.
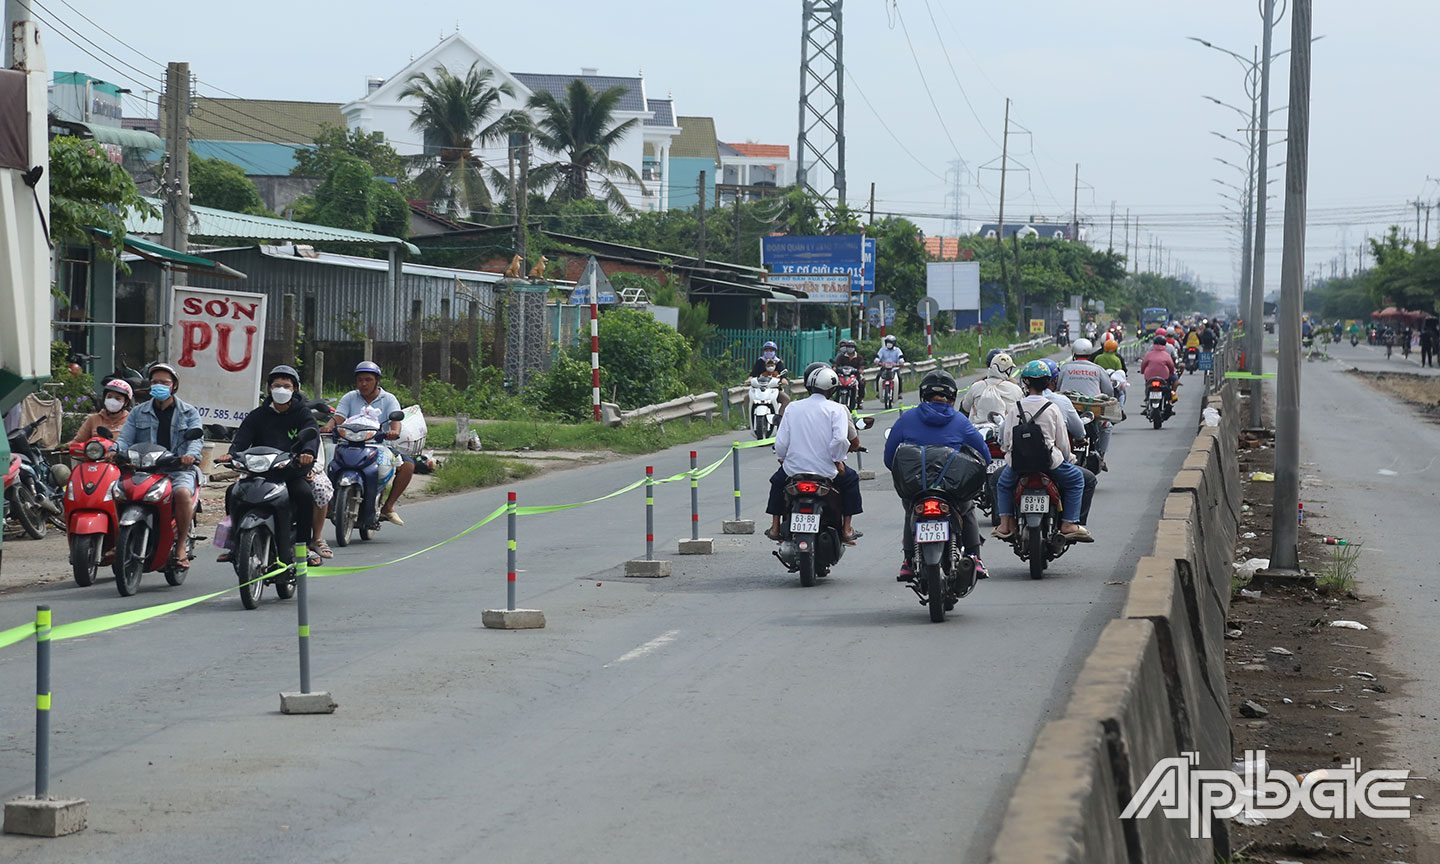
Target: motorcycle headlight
{"x":94,"y":451}
{"x":155,"y":494}
{"x":117,"y":491}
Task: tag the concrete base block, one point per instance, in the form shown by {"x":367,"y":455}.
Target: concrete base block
{"x":1281,"y":579}
{"x":647,"y":569}
{"x":867,"y":474}
{"x":703,"y":546}
{"x":513,"y":619}
{"x":738,"y":526}
{"x":307,"y":703}
{"x":48,"y":817}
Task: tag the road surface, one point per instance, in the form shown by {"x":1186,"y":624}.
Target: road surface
{"x":722,"y":714}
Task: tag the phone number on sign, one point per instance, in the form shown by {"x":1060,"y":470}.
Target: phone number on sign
{"x":219,"y":413}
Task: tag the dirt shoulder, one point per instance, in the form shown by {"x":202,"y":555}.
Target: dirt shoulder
{"x":1314,"y":694}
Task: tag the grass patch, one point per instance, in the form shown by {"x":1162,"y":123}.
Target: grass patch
{"x":631,"y":439}
{"x":464,"y":471}
{"x":1338,"y":577}
{"x":440,"y":435}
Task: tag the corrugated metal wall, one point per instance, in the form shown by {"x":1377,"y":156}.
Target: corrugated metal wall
{"x":347,"y":300}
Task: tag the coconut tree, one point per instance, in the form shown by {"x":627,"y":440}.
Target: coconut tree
{"x":580,"y":127}
{"x":455,"y":115}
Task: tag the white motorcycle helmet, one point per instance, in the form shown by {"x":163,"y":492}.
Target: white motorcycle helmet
{"x":1003,"y":364}
{"x":1082,"y":348}
{"x":822,"y":380}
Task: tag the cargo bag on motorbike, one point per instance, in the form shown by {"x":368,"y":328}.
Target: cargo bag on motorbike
{"x":1029,"y":454}
{"x":916,"y":468}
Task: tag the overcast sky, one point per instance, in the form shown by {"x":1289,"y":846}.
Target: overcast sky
{"x":1110,"y":84}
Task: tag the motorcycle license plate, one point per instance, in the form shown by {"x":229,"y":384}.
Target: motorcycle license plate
{"x":804,"y":523}
{"x":994,"y":466}
{"x":932,"y":532}
{"x":1034,"y":504}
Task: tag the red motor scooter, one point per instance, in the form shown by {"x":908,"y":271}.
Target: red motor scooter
{"x":90,"y":517}
{"x":145,"y":538}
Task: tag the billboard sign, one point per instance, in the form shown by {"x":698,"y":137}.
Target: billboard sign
{"x":844,"y":253}
{"x":955,"y":285}
{"x":217,"y":341}
{"x":831,"y":288}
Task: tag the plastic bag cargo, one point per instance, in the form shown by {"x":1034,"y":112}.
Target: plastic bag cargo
{"x":916,"y":468}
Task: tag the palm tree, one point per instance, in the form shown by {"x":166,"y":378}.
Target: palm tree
{"x":581,"y":128}
{"x":452,"y":115}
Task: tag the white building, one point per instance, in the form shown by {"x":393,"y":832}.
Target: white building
{"x":382,"y":110}
{"x":759,"y":166}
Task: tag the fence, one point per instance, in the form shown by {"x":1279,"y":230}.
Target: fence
{"x":798,"y":348}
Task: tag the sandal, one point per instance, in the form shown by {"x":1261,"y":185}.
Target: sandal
{"x":1002,"y":535}
{"x":313,"y":559}
{"x":224,"y":557}
{"x":323,"y":548}
{"x":774,"y":537}
{"x":854,"y":535}
{"x":182,"y":563}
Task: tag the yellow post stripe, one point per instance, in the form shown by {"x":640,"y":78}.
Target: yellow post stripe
{"x":42,"y":618}
{"x":42,"y":701}
{"x":649,"y":499}
{"x":510,"y":544}
{"x":737,"y":493}
{"x":304,"y":631}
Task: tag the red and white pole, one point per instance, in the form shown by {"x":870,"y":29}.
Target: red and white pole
{"x":882,"y":319}
{"x":929,"y":335}
{"x":594,"y":347}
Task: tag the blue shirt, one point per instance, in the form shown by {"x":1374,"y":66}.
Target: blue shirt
{"x":352,"y":404}
{"x":143,"y":427}
{"x":935,"y":423}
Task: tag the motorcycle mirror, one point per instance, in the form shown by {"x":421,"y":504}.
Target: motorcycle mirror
{"x":321,"y":406}
{"x":396,"y":416}
{"x":865,"y":423}
{"x":104,"y":432}
{"x":308,"y":434}
{"x":194,"y":434}
{"x":886,"y":433}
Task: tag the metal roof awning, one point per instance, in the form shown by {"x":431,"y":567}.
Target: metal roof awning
{"x":209,"y":222}
{"x":130,"y":139}
{"x":708,"y":285}
{"x":167,"y":257}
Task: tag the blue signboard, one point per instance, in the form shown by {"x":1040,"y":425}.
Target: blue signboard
{"x":844,"y":253}
{"x":872,"y":315}
{"x":604,"y":291}
{"x":1207,"y":361}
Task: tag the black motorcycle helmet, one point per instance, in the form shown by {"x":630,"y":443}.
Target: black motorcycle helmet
{"x":938,"y":383}
{"x":283,"y":371}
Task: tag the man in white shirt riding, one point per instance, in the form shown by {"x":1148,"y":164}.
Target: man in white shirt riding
{"x":814,"y":439}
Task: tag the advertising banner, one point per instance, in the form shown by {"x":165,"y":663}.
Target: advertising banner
{"x":819,"y":287}
{"x":844,"y":253}
{"x":1037,"y":326}
{"x":217,"y":341}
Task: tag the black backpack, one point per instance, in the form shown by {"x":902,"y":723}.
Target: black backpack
{"x":1029,"y":454}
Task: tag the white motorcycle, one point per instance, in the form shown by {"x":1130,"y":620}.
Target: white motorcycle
{"x":764,"y":406}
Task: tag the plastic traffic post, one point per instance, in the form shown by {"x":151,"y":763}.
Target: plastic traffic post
{"x":649,"y":512}
{"x":694,"y":499}
{"x":306,"y":701}
{"x":42,"y":702}
{"x":510,"y":553}
{"x":735,"y":461}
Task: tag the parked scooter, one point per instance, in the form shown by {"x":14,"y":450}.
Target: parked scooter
{"x":764,"y":406}
{"x":361,"y":470}
{"x":35,"y":495}
{"x":261,"y":504}
{"x":887,"y":381}
{"x":145,"y":539}
{"x":90,"y":515}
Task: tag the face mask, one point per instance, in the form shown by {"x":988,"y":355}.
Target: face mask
{"x":768,"y":355}
{"x":114,"y":405}
{"x":160,"y":392}
{"x":281,"y":395}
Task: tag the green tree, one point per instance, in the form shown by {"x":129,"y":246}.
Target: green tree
{"x":347,"y":198}
{"x":455,"y":116}
{"x":581,"y":128}
{"x":224,"y":186}
{"x":333,"y":142}
{"x":1406,"y":273}
{"x":641,"y":359}
{"x":87,"y":190}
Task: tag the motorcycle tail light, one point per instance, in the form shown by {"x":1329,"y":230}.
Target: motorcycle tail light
{"x":1156,"y":385}
{"x":805,"y":509}
{"x":933,"y":507}
{"x":996,"y":451}
{"x":807,"y":487}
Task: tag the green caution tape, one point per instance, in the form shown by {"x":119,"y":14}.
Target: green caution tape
{"x":361,"y":568}
{"x":536,"y":510}
{"x":1249,"y":376}
{"x":16,"y":634}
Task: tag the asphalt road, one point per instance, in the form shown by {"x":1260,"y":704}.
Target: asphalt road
{"x":722,"y":714}
{"x":1372,"y":478}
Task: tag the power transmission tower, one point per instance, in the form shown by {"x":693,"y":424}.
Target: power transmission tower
{"x":956,"y":198}
{"x":819,"y":158}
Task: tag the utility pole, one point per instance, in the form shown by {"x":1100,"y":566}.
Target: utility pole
{"x":1112,"y":226}
{"x":1284,"y":552}
{"x":701,"y":218}
{"x":1075,"y":208}
{"x":1418,"y":205}
{"x":1254,"y":327}
{"x":175,"y":203}
{"x":737,"y":228}
{"x":1137,"y":246}
{"x":872,"y":203}
{"x":1127,"y":235}
{"x":514,"y":198}
{"x":523,"y":211}
{"x":1000,"y":234}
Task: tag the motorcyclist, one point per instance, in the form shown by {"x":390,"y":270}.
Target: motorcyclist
{"x":1354,"y":331}
{"x":1082,"y":376}
{"x":1036,"y":378}
{"x":849,"y":355}
{"x":994,"y":392}
{"x":890,"y":353}
{"x":277,"y":423}
{"x":164,"y":420}
{"x":1192,"y":339}
{"x":369,"y":399}
{"x":1209,"y":337}
{"x":814,"y":439}
{"x":770,"y":354}
{"x":117,"y":396}
{"x":1110,"y":359}
{"x":1075,"y":428}
{"x":1157,"y":363}
{"x":936,"y":422}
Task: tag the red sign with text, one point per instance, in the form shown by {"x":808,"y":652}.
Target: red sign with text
{"x":217,"y":341}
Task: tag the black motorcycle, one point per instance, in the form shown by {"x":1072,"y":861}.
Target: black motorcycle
{"x":37,"y":496}
{"x":1158,"y":405}
{"x":1192,"y":360}
{"x":811,"y":529}
{"x":260,"y":502}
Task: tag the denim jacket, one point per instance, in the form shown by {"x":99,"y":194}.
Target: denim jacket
{"x":140,"y":428}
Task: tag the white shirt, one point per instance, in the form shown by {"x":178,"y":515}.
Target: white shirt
{"x":813,"y":436}
{"x":1049,"y":421}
